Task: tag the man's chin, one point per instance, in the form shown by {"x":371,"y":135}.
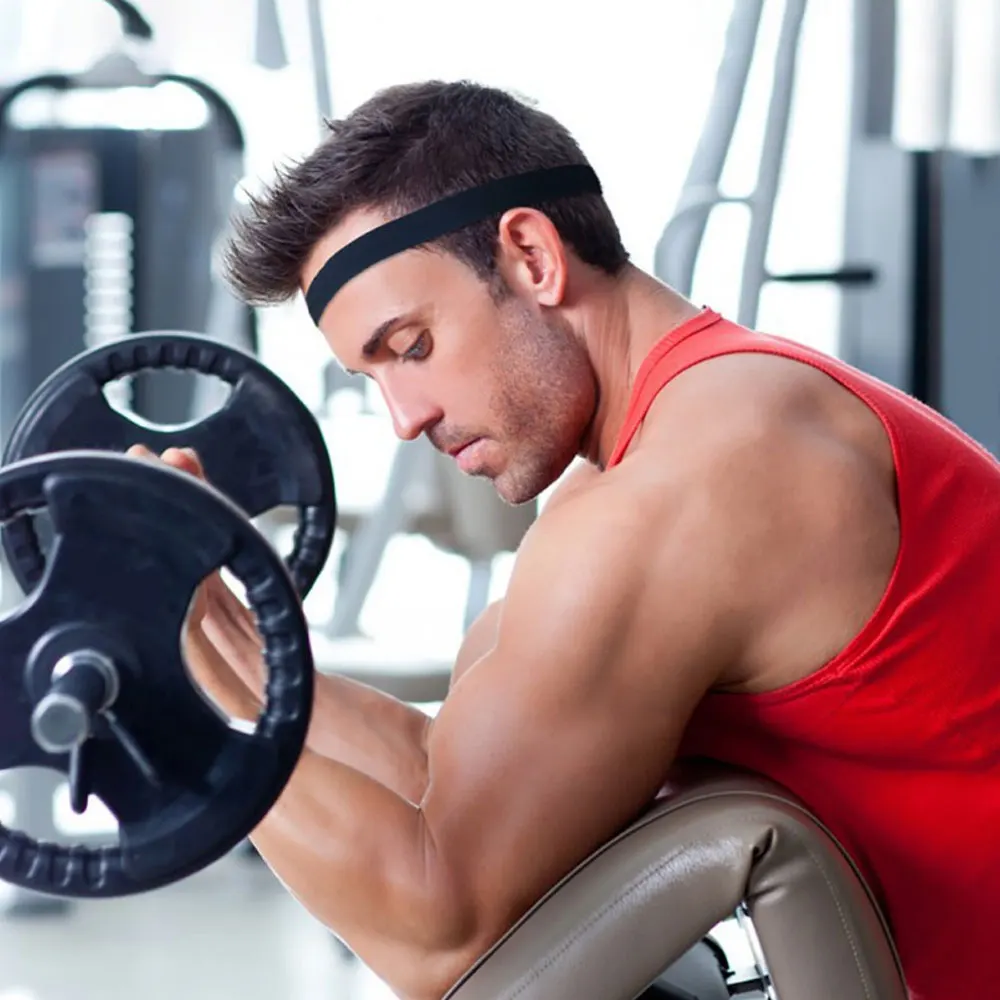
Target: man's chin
{"x":513,"y":492}
{"x":514,"y":484}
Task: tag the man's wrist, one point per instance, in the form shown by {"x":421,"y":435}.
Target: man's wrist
{"x":211,"y":671}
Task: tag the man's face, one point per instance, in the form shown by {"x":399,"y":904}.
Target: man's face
{"x":494,"y":380}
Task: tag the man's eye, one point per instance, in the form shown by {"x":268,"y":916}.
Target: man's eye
{"x":419,"y":349}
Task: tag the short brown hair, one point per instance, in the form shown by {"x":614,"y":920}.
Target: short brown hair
{"x":404,"y":148}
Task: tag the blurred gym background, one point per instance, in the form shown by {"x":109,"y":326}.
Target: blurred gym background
{"x":871,"y":160}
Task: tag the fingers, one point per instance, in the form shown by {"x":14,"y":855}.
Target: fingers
{"x":183,"y":459}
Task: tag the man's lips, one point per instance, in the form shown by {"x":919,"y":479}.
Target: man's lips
{"x":457,"y":449}
{"x":469,"y":456}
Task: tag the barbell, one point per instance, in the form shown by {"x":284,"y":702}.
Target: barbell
{"x":93,"y":682}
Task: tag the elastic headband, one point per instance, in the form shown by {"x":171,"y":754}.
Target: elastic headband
{"x":442,"y":217}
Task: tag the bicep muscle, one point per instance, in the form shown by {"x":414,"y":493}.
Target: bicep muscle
{"x":567,"y":727}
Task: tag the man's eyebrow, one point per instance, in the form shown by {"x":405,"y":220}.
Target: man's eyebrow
{"x":374,"y":342}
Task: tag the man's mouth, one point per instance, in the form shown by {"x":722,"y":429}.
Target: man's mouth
{"x":459,"y":448}
{"x":467,"y":456}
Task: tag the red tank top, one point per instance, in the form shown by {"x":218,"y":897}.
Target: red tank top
{"x":895,"y":742}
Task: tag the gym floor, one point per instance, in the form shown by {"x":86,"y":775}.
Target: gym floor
{"x":229,"y":932}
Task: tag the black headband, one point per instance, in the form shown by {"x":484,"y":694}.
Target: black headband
{"x":442,"y":217}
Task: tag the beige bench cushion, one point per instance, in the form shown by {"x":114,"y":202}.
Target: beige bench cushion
{"x":716,"y":840}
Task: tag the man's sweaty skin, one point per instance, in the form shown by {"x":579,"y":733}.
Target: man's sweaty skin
{"x":748,"y":533}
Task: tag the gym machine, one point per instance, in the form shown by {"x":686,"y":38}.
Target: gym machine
{"x":922,"y":225}
{"x":108,"y":229}
{"x":105,"y":230}
{"x":680,"y":242}
{"x":929,"y":221}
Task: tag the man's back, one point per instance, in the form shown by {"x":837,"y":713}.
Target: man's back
{"x":815,"y":487}
{"x":870,"y":688}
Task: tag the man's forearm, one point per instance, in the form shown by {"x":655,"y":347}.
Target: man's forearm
{"x":351,"y":849}
{"x":351,"y":723}
{"x":371,"y":732}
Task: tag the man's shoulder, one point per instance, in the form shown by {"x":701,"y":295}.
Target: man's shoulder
{"x":721,"y":455}
{"x":642,"y":521}
{"x":632,"y":566}
{"x":744,"y":414}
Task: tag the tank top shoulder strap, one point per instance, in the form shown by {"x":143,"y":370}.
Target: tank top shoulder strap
{"x":662,"y":363}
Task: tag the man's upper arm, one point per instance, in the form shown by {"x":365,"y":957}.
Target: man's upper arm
{"x":479,"y":639}
{"x":482,"y":633}
{"x":565,"y":730}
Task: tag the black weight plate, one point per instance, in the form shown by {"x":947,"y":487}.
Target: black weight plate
{"x":262,"y":449}
{"x":132,"y":542}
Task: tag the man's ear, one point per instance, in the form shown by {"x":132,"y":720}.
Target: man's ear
{"x":532,"y":256}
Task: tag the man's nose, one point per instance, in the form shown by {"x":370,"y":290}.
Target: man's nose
{"x":411,"y":415}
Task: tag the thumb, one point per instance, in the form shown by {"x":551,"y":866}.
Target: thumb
{"x":184,"y":459}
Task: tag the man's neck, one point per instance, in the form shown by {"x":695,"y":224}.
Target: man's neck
{"x":620,"y":323}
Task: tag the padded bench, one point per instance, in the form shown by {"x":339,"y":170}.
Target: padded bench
{"x":716,"y":841}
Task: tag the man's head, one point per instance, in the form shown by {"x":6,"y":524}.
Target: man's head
{"x":469,"y":337}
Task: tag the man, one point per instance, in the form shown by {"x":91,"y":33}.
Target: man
{"x":767,"y":558}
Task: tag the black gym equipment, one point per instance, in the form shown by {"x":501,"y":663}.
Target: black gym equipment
{"x":93,"y":682}
{"x":262,"y":448}
{"x":108,"y":227}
